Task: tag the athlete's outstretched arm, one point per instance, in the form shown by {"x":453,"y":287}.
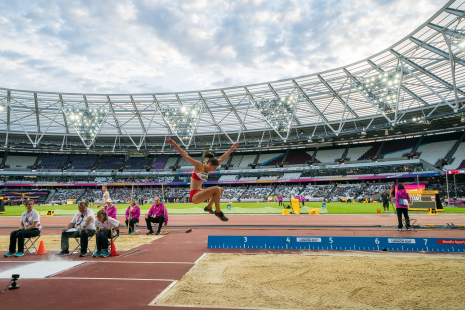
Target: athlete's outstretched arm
{"x":197,"y":164}
{"x":226,"y":155}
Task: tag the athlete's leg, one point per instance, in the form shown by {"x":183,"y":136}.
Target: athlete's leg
{"x":210,"y":203}
{"x":212,"y":193}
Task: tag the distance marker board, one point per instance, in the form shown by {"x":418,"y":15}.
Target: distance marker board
{"x":404,"y":244}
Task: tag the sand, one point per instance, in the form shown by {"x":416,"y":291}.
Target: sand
{"x":123,"y":243}
{"x":321,"y":282}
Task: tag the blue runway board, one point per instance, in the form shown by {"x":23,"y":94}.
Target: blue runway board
{"x":338,"y":243}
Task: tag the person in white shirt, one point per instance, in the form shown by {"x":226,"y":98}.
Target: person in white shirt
{"x":107,"y":228}
{"x":82,"y":225}
{"x":29,"y":226}
{"x":106,"y":195}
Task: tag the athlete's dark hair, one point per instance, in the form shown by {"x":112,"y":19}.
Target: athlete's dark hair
{"x":400,"y":187}
{"x":209,"y":157}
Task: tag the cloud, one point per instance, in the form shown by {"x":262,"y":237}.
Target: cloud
{"x":111,"y":46}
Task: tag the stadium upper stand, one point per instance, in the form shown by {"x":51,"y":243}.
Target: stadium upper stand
{"x":53,"y":161}
{"x":329,"y":155}
{"x":134,"y":163}
{"x":20,"y":161}
{"x":83,"y":161}
{"x":110,"y":161}
{"x":160,"y":161}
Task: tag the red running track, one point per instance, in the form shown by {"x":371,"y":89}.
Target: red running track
{"x":263,"y":220}
{"x":132,"y":282}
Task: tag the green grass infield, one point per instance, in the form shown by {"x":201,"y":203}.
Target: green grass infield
{"x":236,"y":208}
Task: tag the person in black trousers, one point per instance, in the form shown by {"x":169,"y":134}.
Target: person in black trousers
{"x":157,"y":214}
{"x":82,"y":225}
{"x":108,"y":228}
{"x":29,"y":226}
{"x":385,"y":199}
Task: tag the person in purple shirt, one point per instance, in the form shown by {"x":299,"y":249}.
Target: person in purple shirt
{"x":280,"y":200}
{"x":402,"y":202}
{"x":135,"y":214}
{"x":157,"y":214}
{"x":110,"y":209}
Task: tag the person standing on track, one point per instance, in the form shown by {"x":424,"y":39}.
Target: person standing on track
{"x":280,"y":200}
{"x":106,"y":196}
{"x":29,"y":226}
{"x":402,"y":202}
{"x":200,"y":174}
{"x":385,"y":198}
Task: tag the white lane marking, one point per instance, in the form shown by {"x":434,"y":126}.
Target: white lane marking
{"x":162,"y":293}
{"x":200,"y":258}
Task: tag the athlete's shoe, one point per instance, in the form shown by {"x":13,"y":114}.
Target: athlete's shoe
{"x":97,"y":254}
{"x":62,"y":253}
{"x":209,"y":210}
{"x":399,"y":229}
{"x":19,"y":254}
{"x":408,"y":228}
{"x":9,"y":254}
{"x":221,"y":216}
{"x":105,"y":254}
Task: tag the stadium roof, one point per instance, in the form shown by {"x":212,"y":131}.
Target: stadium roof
{"x":416,"y":85}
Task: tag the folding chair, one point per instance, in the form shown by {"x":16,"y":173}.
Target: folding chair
{"x":29,"y":243}
{"x":78,"y":241}
{"x":412,"y":224}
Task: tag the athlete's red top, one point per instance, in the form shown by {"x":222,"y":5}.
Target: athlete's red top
{"x":202,"y":175}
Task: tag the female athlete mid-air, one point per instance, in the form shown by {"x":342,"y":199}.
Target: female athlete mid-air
{"x":200,"y":174}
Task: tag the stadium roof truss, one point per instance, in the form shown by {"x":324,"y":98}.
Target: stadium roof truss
{"x":416,"y":80}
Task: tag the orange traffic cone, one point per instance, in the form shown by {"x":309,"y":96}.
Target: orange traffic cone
{"x":41,"y":249}
{"x":113,"y":249}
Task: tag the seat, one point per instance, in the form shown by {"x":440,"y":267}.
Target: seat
{"x":412,"y":224}
{"x":78,"y":247}
{"x":29,"y":243}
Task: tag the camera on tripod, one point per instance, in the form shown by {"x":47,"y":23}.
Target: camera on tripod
{"x":14,"y":285}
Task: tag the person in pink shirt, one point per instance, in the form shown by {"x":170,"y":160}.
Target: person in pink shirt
{"x":302,"y":200}
{"x":402,"y":202}
{"x":157,"y":214}
{"x":135,"y":214}
{"x":280,"y":200}
{"x":110,"y":209}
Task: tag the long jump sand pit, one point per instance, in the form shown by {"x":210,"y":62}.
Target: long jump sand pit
{"x":357,"y":281}
{"x":123,"y":243}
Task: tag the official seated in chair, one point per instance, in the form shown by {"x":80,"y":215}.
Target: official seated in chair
{"x":157,"y":214}
{"x":110,"y":208}
{"x":135,"y":214}
{"x":107,"y":227}
{"x":29,"y":226}
{"x":82,"y":225}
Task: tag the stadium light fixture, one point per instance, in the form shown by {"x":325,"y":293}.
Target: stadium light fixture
{"x":382,"y":89}
{"x":278,"y":113}
{"x":87,"y":122}
{"x":182,"y":122}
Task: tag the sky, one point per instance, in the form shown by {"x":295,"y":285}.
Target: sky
{"x":123,"y":46}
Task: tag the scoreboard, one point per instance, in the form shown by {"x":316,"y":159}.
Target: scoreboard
{"x":424,"y":200}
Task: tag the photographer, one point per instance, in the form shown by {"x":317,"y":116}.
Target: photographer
{"x":29,"y":226}
{"x":82,"y":225}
